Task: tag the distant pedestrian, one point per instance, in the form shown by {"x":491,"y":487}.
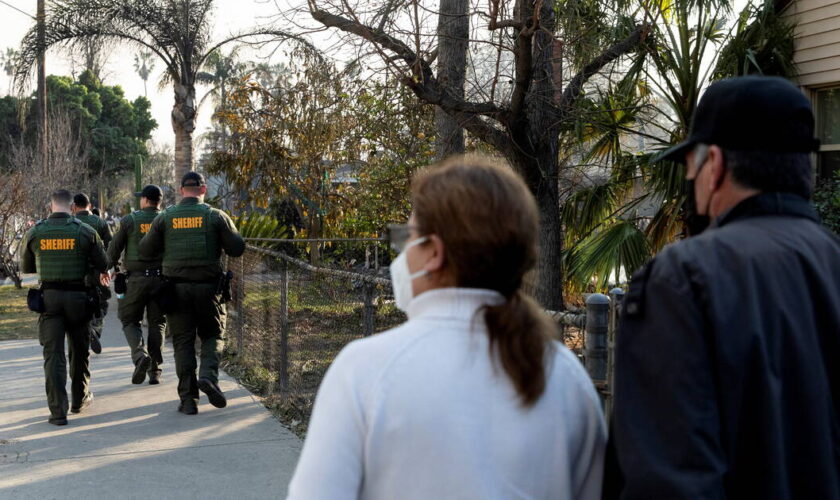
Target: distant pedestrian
{"x":62,"y":250}
{"x":728,"y":356}
{"x":471,"y":398}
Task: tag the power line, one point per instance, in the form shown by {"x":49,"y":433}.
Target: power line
{"x":7,"y":4}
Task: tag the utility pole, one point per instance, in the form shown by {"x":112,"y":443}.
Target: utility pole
{"x":42,"y":87}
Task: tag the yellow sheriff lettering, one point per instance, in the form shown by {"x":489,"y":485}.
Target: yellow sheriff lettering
{"x":58,"y":244}
{"x":187,"y":222}
{"x":144,"y":228}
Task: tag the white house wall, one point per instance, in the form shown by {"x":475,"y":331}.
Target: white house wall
{"x":816,"y":41}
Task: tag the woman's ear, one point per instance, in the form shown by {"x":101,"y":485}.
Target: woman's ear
{"x":438,"y":259}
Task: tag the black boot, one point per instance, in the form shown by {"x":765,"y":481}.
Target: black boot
{"x":140,"y":369}
{"x":214,"y":394}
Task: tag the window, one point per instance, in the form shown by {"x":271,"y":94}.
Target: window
{"x":828,"y":131}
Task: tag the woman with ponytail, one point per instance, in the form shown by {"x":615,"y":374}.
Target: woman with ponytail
{"x":471,"y":397}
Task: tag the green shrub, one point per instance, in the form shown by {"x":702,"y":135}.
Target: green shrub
{"x":827,"y":201}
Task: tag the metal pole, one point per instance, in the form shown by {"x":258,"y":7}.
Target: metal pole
{"x":616,"y":299}
{"x":240,"y":331}
{"x":283,"y":369}
{"x":595,"y":339}
{"x":43,"y":136}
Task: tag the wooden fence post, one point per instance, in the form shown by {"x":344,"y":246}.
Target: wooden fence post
{"x":283,"y":348}
{"x":368,"y":290}
{"x":616,"y":300}
{"x":595,"y":339}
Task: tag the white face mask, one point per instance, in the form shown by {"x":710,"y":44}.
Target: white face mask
{"x":402,"y":279}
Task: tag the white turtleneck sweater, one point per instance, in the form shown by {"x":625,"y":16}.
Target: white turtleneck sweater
{"x":422,"y":412}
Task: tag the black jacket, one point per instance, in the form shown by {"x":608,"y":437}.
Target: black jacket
{"x":728,"y":363}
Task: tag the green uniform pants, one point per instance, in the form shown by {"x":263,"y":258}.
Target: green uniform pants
{"x":65,"y":315}
{"x":200,"y":313}
{"x":98,"y":323}
{"x":138,"y":299}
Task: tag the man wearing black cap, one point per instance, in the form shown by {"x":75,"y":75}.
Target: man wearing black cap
{"x":191,"y":237}
{"x":143,"y":278}
{"x":727,"y":374}
{"x":82,"y":210}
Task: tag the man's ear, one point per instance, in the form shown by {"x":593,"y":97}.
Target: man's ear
{"x":438,"y":258}
{"x":717,"y":168}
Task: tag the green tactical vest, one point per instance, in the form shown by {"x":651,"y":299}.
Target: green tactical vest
{"x":59,"y":255}
{"x":92,"y":221}
{"x":189,"y":241}
{"x":142,"y":220}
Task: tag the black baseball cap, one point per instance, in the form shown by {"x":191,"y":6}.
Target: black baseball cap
{"x":150,"y":192}
{"x":751,"y":113}
{"x":193,"y":179}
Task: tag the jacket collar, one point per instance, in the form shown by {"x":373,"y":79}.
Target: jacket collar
{"x":59,"y":215}
{"x":189,"y":200}
{"x":453,"y":303}
{"x":150,"y":209}
{"x":783,"y":204}
{"x":83,"y":212}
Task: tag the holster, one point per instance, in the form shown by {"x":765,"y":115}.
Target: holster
{"x":35,"y":300}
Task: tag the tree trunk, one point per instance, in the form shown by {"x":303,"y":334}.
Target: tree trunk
{"x":549,"y":291}
{"x":453,"y":36}
{"x":183,"y":123}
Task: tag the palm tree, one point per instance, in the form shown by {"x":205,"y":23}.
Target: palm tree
{"x":8,"y":62}
{"x":144,"y":63}
{"x":177,"y":31}
{"x":605,"y":231}
{"x":220,"y":71}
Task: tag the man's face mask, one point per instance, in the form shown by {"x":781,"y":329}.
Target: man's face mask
{"x":696,"y":222}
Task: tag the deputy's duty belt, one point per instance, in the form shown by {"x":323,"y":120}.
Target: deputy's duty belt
{"x":148,"y":273}
{"x":67,"y":287}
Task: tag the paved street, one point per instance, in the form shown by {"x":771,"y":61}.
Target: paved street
{"x":132,"y":443}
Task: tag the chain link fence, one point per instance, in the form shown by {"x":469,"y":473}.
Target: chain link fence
{"x":289,"y":318}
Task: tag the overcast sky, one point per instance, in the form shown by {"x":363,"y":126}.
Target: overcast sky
{"x":231,"y":16}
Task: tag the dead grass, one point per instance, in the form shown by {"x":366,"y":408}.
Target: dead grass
{"x":16,"y":320}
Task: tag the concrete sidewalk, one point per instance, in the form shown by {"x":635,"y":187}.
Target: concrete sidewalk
{"x":132,"y":442}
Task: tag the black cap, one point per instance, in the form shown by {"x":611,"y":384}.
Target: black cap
{"x":193,"y":179}
{"x":751,"y":113}
{"x":150,"y":192}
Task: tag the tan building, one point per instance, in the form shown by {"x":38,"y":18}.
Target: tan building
{"x":817,"y":56}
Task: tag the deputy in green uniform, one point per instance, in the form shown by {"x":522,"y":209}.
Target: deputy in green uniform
{"x":191,"y":237}
{"x":62,"y":249}
{"x":144,"y":278}
{"x":82,"y":211}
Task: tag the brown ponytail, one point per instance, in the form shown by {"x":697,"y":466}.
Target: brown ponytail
{"x":489,"y":224}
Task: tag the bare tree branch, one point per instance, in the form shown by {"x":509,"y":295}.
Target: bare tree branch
{"x":618,"y":49}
